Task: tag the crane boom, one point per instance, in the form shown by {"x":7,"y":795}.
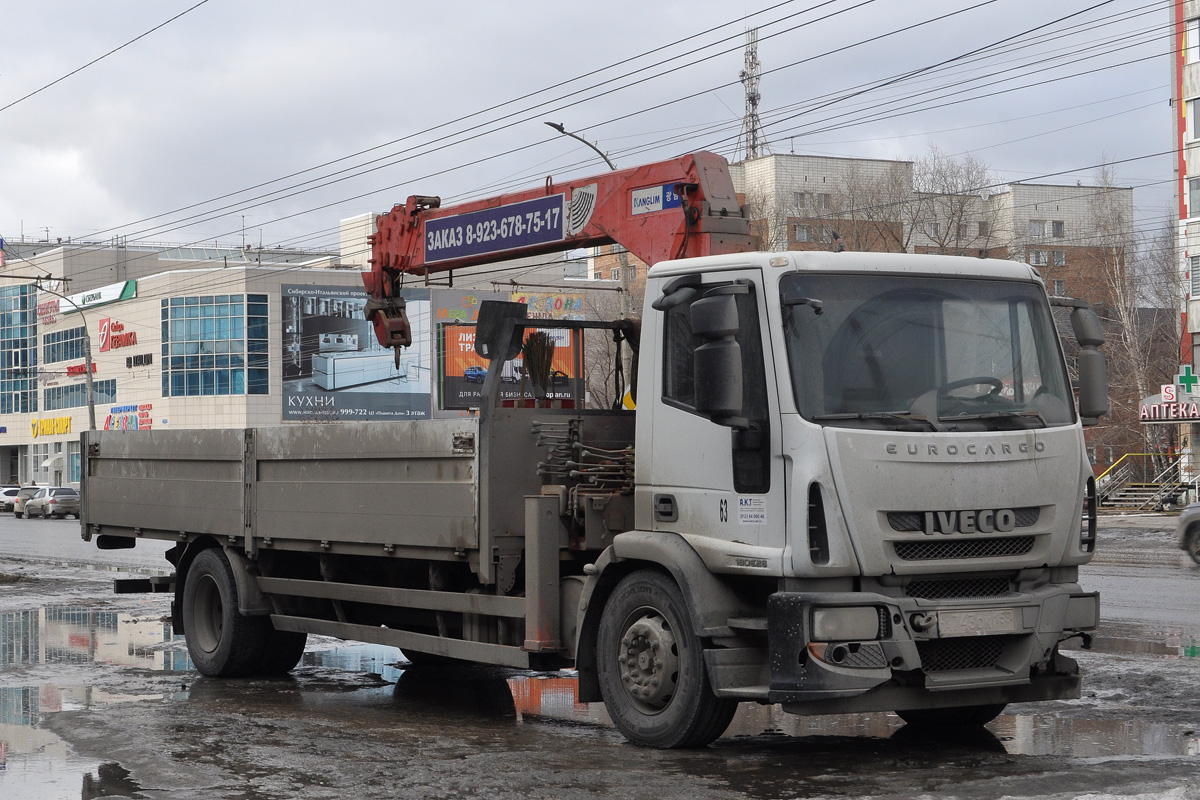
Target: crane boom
{"x":678,"y":208}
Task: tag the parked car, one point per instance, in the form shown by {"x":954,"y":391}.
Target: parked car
{"x":7,"y":495}
{"x":53,"y":501}
{"x":23,"y":495}
{"x":1189,"y":531}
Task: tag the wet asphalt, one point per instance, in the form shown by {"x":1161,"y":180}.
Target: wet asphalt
{"x":97,"y":699}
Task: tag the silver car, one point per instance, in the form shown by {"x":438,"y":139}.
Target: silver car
{"x":53,"y":501}
{"x":1189,"y":531}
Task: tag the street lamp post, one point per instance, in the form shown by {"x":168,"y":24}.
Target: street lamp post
{"x":87,"y":355}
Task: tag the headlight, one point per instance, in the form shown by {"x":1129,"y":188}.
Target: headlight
{"x":850,"y":624}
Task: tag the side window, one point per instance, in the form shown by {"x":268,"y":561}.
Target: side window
{"x":679,"y":383}
{"x":751,"y":450}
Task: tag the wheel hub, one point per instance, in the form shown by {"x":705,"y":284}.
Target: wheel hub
{"x":649,"y":662}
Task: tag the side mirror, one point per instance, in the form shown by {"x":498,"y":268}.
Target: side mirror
{"x":717,"y":364}
{"x":1093,"y":369}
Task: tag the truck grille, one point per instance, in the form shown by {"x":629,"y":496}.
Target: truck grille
{"x":913,"y":521}
{"x":970,"y":652}
{"x":963,"y":548}
{"x":957,"y":588}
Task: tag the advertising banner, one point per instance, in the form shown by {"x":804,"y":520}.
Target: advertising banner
{"x":544,"y":305}
{"x":335,"y":369}
{"x":463,"y":371}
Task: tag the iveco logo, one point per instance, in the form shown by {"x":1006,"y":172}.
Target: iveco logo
{"x":984,"y":521}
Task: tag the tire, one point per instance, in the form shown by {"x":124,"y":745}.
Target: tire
{"x":284,"y":651}
{"x":1193,"y":545}
{"x":961,"y":717}
{"x":222,"y":642}
{"x":650,"y":664}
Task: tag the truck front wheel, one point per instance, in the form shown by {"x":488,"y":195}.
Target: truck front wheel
{"x":650,"y":665}
{"x":221,"y":641}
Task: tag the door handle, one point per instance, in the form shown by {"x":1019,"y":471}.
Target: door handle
{"x":665,"y":509}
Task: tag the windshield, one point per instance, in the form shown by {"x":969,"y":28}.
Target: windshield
{"x":923,"y":353}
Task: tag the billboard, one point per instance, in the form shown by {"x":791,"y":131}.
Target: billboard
{"x":461,"y":370}
{"x":335,"y":369}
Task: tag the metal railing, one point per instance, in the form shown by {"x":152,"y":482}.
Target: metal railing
{"x":1138,"y":477}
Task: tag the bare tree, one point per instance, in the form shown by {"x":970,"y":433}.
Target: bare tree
{"x":1136,"y":292}
{"x":950,"y":212}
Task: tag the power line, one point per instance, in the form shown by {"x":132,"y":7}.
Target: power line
{"x":101,"y":58}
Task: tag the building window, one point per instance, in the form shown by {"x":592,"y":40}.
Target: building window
{"x":826,"y":235}
{"x":803,"y":233}
{"x":1058,"y":258}
{"x":1058,"y":229}
{"x":1060,"y":288}
{"x":73,"y":462}
{"x":215,"y":345}
{"x":614,"y":274}
{"x":1037,"y":228}
{"x":1193,"y":269}
{"x":1191,"y":41}
{"x":798,"y":200}
{"x":983,"y":229}
{"x":824,"y":202}
{"x":933,"y":230}
{"x":1189,"y":112}
{"x":631,"y":273}
{"x":39,"y":453}
{"x":1193,"y":197}
{"x":63,"y":345}
{"x":57,"y":398}
{"x":1038,"y":258}
{"x":18,"y":350}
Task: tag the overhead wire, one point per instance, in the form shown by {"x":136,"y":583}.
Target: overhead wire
{"x":357,"y":197}
{"x":98,"y":59}
{"x":458,"y":166}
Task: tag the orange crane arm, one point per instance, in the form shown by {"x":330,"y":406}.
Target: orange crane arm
{"x":679,"y":208}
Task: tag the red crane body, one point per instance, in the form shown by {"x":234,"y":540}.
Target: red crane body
{"x":679,"y":208}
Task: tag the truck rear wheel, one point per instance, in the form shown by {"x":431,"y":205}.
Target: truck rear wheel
{"x":221,"y":641}
{"x":650,"y":664}
{"x":961,"y":717}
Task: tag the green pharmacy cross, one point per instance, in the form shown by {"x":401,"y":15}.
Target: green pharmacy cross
{"x":1187,"y":380}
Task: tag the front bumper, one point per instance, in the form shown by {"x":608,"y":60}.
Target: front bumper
{"x":1005,"y":644}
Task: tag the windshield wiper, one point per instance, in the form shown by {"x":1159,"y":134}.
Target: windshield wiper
{"x":1030,"y":415}
{"x":903,"y":416}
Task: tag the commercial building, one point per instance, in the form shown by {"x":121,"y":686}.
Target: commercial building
{"x":225,"y":338}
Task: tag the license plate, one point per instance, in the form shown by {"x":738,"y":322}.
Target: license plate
{"x":977,"y":623}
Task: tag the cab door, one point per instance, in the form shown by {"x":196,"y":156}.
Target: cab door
{"x":713,"y":475}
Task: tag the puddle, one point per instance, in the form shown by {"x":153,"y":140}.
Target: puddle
{"x":35,"y":764}
{"x":554,"y":698}
{"x":1168,"y":642}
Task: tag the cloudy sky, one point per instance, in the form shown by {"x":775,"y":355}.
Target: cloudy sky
{"x":183,"y":121}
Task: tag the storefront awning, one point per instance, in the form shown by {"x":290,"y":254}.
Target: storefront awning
{"x":49,"y":462}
